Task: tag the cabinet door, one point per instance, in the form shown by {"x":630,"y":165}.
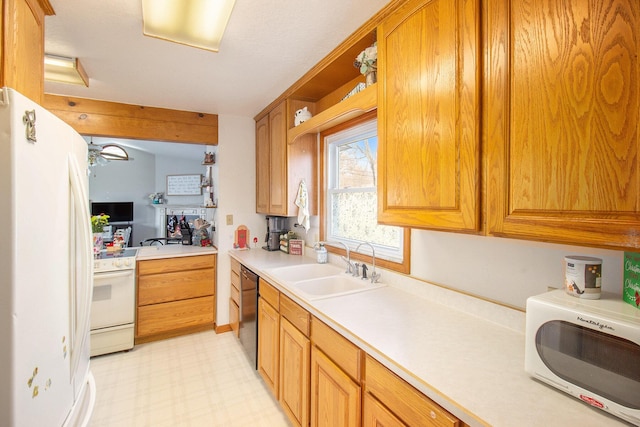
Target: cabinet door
{"x":562,"y":119}
{"x":295,"y":368}
{"x":429,"y":115}
{"x":278,"y":160}
{"x":268,"y":344}
{"x":376,"y":415}
{"x":262,"y":165}
{"x":22,"y":66}
{"x":335,"y":397}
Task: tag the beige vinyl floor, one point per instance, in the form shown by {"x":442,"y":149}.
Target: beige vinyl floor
{"x":202,"y":379}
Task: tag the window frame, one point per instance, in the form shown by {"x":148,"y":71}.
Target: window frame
{"x":364,"y":255}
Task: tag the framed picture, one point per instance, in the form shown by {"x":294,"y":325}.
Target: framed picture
{"x":184,"y":185}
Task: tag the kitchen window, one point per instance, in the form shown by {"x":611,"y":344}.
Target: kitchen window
{"x":350,"y":199}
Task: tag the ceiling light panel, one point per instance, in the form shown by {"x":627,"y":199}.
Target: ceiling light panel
{"x":197,"y":23}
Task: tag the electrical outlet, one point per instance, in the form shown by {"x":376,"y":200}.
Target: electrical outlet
{"x":229,"y":219}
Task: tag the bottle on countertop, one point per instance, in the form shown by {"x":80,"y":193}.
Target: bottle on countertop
{"x":321,"y":253}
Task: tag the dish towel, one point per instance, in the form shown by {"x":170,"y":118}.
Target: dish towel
{"x":302,"y":202}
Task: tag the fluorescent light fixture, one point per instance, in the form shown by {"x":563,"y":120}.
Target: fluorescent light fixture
{"x":64,"y":70}
{"x":197,"y":23}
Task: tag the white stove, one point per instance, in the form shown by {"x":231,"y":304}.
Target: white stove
{"x":115,"y":261}
{"x":113,"y":304}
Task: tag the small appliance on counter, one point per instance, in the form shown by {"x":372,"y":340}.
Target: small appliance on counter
{"x":276,"y":225}
{"x":586,"y":348}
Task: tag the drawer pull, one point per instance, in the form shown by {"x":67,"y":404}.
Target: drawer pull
{"x":433,"y":415}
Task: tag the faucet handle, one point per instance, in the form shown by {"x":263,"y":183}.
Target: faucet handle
{"x":375,"y":277}
{"x":349,"y":265}
{"x":356,"y":270}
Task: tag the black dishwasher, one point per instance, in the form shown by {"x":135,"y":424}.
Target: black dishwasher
{"x":248,"y":328}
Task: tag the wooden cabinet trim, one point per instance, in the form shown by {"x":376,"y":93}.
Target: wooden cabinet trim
{"x":112,"y":119}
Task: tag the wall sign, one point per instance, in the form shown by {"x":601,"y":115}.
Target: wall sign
{"x":184,"y":185}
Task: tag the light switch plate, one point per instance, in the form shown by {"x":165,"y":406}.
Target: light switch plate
{"x":229,"y":219}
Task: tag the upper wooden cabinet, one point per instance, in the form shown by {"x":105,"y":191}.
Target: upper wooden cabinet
{"x":22,"y":54}
{"x":280,"y":167}
{"x":561,"y":121}
{"x":429,"y":115}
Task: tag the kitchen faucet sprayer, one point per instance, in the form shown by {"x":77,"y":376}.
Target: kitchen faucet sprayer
{"x":374,"y":276}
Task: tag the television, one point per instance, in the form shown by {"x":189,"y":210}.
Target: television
{"x":117,"y":211}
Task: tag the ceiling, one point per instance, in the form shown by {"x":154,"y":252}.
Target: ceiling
{"x":267,"y":46}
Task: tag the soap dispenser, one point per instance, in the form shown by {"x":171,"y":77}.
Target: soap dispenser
{"x":321,"y":253}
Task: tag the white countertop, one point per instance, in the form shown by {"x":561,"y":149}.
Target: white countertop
{"x":451,"y":347}
{"x":172,"y":251}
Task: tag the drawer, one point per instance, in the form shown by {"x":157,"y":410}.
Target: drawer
{"x":296,"y":315}
{"x":402,"y":399}
{"x":343,"y":352}
{"x":158,"y":288}
{"x":234,"y":317}
{"x":158,"y":318}
{"x":235,"y":273}
{"x":165,"y":265}
{"x":269,"y":294}
{"x":235,"y":295}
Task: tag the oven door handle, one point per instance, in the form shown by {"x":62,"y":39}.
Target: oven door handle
{"x":100,"y":276}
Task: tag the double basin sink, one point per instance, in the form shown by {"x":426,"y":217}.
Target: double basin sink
{"x":318,"y":281}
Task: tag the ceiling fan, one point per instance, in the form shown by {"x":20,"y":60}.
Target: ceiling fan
{"x":102,"y":154}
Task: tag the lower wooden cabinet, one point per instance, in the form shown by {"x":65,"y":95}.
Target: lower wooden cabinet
{"x":335,"y":397}
{"x":336,"y":374}
{"x":321,"y":379}
{"x":375,"y":414}
{"x":295,"y":359}
{"x":390,"y":401}
{"x":175,"y":296}
{"x":284,"y":351}
{"x":269,"y":345}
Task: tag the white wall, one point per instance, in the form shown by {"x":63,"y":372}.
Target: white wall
{"x":237,"y":197}
{"x":500,"y":269}
{"x":130,"y":181}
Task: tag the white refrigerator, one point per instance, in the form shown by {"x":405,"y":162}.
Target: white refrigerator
{"x":45,"y":269}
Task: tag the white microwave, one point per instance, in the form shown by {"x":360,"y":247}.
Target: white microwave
{"x":587,"y":348}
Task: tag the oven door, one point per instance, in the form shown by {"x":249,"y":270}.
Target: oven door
{"x":113,"y":299}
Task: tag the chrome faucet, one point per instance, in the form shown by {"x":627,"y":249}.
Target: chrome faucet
{"x":346,"y":259}
{"x":374,"y":276}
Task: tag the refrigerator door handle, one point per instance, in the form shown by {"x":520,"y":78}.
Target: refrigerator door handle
{"x":81,"y":325}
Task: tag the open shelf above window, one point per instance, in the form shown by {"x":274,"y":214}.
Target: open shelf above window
{"x":352,"y":107}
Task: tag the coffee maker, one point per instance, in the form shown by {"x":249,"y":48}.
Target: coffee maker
{"x":276,"y":225}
